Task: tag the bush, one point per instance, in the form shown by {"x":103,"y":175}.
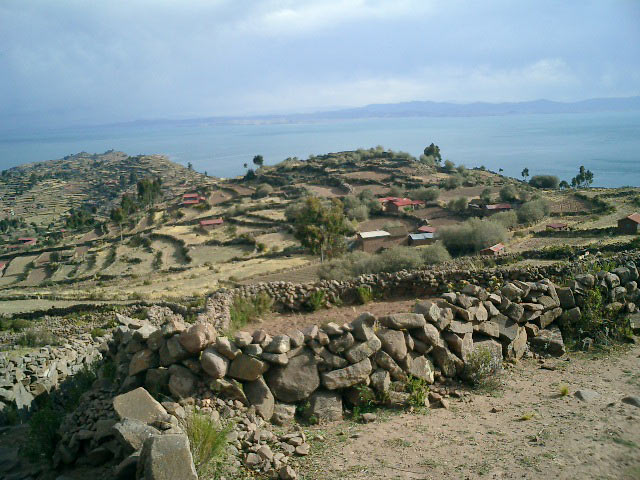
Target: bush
{"x":452,"y":182}
{"x":98,"y":332}
{"x":396,"y":259}
{"x":430,"y":194}
{"x":264,"y":190}
{"x":508,"y":193}
{"x":364,"y":294}
{"x":207,"y":442}
{"x":533,"y":211}
{"x":459,"y":205}
{"x":480,"y":368}
{"x":544,"y":181}
{"x":472,"y":236}
{"x":245,"y":310}
{"x":506,"y":219}
{"x":317,"y":300}
{"x":434,"y":254}
{"x":43,"y":434}
{"x":37,"y":338}
{"x":359,"y":213}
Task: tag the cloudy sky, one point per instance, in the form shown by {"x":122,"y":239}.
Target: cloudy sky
{"x":65,"y":62}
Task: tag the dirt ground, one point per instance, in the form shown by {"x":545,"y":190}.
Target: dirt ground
{"x":524,"y":430}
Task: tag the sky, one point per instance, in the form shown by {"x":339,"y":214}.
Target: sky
{"x":71,"y":62}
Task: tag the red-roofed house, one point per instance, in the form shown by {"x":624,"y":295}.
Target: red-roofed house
{"x":557,"y":227}
{"x":394,"y":206}
{"x":211,"y":223}
{"x":427,"y":229}
{"x":630,"y":225}
{"x":28,"y":241}
{"x":497,"y":249}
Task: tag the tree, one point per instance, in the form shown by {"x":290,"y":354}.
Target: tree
{"x":118,"y":216}
{"x":459,"y":205}
{"x":320,"y":227}
{"x":544,"y":181}
{"x":258,"y":160}
{"x":433,"y":151}
{"x":449,"y":166}
{"x":563,"y":185}
{"x":508,"y":193}
{"x":525,"y":174}
{"x":427,"y":194}
{"x":472,"y":236}
{"x":583,"y":179}
{"x":485,"y":196}
{"x":189,"y":166}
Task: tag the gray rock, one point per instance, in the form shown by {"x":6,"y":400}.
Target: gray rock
{"x":586,"y":395}
{"x":229,"y":388}
{"x":182,"y":382}
{"x":362,"y":327}
{"x":341,"y":343}
{"x":197,"y":337}
{"x":276,"y":358}
{"x":631,"y":400}
{"x":488,"y":328}
{"x":131,"y":434}
{"x":420,"y":366}
{"x":324,"y":406}
{"x":428,"y":334}
{"x":295,"y":381}
{"x":279,"y":344}
{"x":516,"y":349}
{"x":511,"y":291}
{"x":508,"y":328}
{"x":143,"y":360}
{"x":253,"y":350}
{"x":462,"y":346}
{"x":283,"y":414}
{"x":260,"y":396}
{"x":515,"y":312}
{"x":393,"y":342}
{"x":565,"y":295}
{"x":549,"y":341}
{"x":381,"y":380}
{"x":166,"y":457}
{"x":138,"y":405}
{"x":461,"y":328}
{"x":172,"y":352}
{"x":360,"y":351}
{"x":383,"y":360}
{"x":333,"y":361}
{"x":449,"y":364}
{"x":296,"y":338}
{"x":399,"y":321}
{"x":227,"y":348}
{"x":156,"y":380}
{"x":347,"y":377}
{"x":492,"y":346}
{"x":247,"y":368}
{"x":242,"y":339}
{"x":214,"y":363}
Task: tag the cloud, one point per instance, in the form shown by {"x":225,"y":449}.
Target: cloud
{"x":281,"y":18}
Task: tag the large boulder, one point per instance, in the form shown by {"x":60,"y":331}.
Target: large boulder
{"x":182,"y":383}
{"x":363,"y":350}
{"x":247,"y":368}
{"x":260,"y":396}
{"x":131,"y":434}
{"x":347,"y":377}
{"x":172,"y":352}
{"x":419,"y":366}
{"x":166,"y":457}
{"x":324,"y":406}
{"x":461,"y":345}
{"x":449,"y":364}
{"x":384,"y":361}
{"x":214,"y":363}
{"x":434,"y":314}
{"x":296,"y":380}
{"x":362,"y":327}
{"x":515,"y":350}
{"x":197,"y":337}
{"x":138,"y":405}
{"x":143,"y":360}
{"x":400,"y":321}
{"x":549,"y":341}
{"x":393,"y":342}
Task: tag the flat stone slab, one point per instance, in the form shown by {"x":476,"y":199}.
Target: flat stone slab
{"x":138,"y":404}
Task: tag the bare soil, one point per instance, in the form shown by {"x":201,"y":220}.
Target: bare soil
{"x":525,"y":430}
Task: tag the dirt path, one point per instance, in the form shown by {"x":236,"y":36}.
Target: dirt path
{"x":535,"y":433}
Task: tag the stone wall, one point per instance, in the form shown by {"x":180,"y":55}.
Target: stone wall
{"x":289,"y":296}
{"x":317,"y":370}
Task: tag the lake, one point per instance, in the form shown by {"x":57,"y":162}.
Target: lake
{"x":606,"y":143}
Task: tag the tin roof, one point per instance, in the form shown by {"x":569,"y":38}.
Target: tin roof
{"x":374,"y":234}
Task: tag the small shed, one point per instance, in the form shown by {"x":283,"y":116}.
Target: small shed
{"x":629,"y":225}
{"x":373,"y":241}
{"x":417,"y":239}
{"x":427,"y":229}
{"x":494,"y":250}
{"x":211,"y":223}
{"x":557,"y":227}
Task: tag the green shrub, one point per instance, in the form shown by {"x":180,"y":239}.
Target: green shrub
{"x":418,"y":390}
{"x":42,"y":436}
{"x":480,"y":368}
{"x":508,"y":193}
{"x":317,"y":300}
{"x":248,"y":309}
{"x":264,"y":190}
{"x":452,"y":182}
{"x":37,"y":338}
{"x":506,"y":219}
{"x":430,"y":194}
{"x":533,"y":211}
{"x":472,"y":236}
{"x":364,"y":294}
{"x":98,"y":332}
{"x":434,"y":254}
{"x":459,"y":205}
{"x":208,"y":442}
{"x":395,"y":259}
{"x":544,"y":181}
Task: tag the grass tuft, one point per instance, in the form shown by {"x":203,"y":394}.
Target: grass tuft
{"x":208,"y":442}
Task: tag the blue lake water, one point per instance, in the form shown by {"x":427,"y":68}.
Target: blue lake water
{"x":606,"y":143}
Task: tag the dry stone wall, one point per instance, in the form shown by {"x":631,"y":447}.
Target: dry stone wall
{"x":317,"y":370}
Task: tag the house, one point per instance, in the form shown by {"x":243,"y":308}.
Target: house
{"x":630,"y":225}
{"x":417,"y":239}
{"x":557,"y":227}
{"x":497,"y":249}
{"x":373,"y":241}
{"x":394,"y":206}
{"x":191,"y":199}
{"x":27,"y":241}
{"x":211,"y":223}
{"x":494,"y":208}
{"x":427,"y":229}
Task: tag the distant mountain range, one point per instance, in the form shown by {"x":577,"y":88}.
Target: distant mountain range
{"x":427,"y":109}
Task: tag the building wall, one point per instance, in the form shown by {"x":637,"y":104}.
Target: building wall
{"x":628,"y":226}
